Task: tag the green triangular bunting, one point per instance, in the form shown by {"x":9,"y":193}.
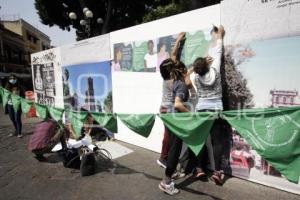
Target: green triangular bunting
{"x":106,"y":120}
{"x":56,"y":113}
{"x":26,"y":105}
{"x":41,"y":110}
{"x":140,"y":123}
{"x":192,"y":128}
{"x":1,"y":92}
{"x":274,"y":134}
{"x":5,"y":96}
{"x":77,"y":120}
{"x":16,"y":101}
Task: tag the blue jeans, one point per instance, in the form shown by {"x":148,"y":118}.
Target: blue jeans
{"x":15,"y":117}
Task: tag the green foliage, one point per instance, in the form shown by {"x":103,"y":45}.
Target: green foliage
{"x":163,"y":11}
{"x":117,"y":14}
{"x":108,"y":103}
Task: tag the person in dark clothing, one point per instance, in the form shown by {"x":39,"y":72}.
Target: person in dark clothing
{"x":166,"y":103}
{"x":179,"y":98}
{"x":13,"y":85}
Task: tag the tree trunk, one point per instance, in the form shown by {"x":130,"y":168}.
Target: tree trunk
{"x":107,"y":18}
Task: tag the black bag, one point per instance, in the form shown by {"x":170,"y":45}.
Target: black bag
{"x":71,"y":159}
{"x":88,"y":164}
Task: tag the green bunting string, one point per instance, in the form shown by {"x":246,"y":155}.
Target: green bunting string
{"x":192,"y":128}
{"x":140,"y":123}
{"x":106,"y":120}
{"x":56,"y":113}
{"x":25,"y":105}
{"x":274,"y":133}
{"x":16,"y":102}
{"x":41,"y":110}
{"x":77,"y":120}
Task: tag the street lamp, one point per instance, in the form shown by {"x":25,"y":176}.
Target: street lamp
{"x":86,"y":22}
{"x":72,"y":16}
{"x":89,"y":14}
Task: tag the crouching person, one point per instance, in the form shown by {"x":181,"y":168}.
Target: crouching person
{"x":45,"y":136}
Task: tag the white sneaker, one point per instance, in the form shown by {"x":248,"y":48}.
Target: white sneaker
{"x":20,"y":136}
{"x":162,"y":163}
{"x":178,"y":175}
{"x":169,"y":189}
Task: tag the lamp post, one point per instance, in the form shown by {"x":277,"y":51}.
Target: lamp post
{"x":86,"y":21}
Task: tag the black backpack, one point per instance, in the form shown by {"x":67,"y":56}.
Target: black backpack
{"x":71,"y":158}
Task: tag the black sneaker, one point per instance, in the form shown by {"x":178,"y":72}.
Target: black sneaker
{"x":162,"y":163}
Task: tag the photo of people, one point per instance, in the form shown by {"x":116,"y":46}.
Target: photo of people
{"x":122,"y":60}
{"x":150,"y":59}
{"x":88,"y":87}
{"x":115,"y":63}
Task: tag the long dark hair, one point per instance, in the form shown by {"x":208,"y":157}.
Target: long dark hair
{"x":178,"y":71}
{"x":200,"y":66}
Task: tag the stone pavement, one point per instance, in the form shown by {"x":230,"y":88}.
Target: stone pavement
{"x":133,"y":177}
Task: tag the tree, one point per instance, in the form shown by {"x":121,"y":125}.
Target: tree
{"x":236,"y":94}
{"x":116,"y":14}
{"x":108,"y":104}
{"x":175,"y":7}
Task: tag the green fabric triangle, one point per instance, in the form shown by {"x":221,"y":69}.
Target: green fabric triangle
{"x":5,"y":96}
{"x":192,"y":128}
{"x":56,"y":113}
{"x":1,"y":92}
{"x":140,"y":123}
{"x":106,"y":120}
{"x":16,"y":101}
{"x":77,"y":120}
{"x":41,"y":110}
{"x":274,"y":133}
{"x":25,"y":105}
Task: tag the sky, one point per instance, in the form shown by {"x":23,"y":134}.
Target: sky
{"x":275,"y":66}
{"x":101,"y":74}
{"x":25,"y":9}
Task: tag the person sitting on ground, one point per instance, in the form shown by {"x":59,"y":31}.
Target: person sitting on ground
{"x":45,"y":136}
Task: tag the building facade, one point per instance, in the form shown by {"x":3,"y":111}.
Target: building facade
{"x":18,"y":40}
{"x":284,"y":98}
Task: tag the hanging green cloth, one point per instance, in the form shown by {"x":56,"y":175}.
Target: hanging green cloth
{"x":140,"y":123}
{"x":274,"y":133}
{"x":192,"y":128}
{"x":1,"y":92}
{"x":41,"y":110}
{"x":16,"y":101}
{"x":77,"y":120}
{"x":25,"y":105}
{"x":5,"y":96}
{"x":106,"y":120}
{"x":56,"y":113}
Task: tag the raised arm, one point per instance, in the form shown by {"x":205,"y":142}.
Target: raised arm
{"x":174,"y":53}
{"x":221,"y":32}
{"x":218,"y":49}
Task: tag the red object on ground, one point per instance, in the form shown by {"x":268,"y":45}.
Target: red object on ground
{"x":29,"y":95}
